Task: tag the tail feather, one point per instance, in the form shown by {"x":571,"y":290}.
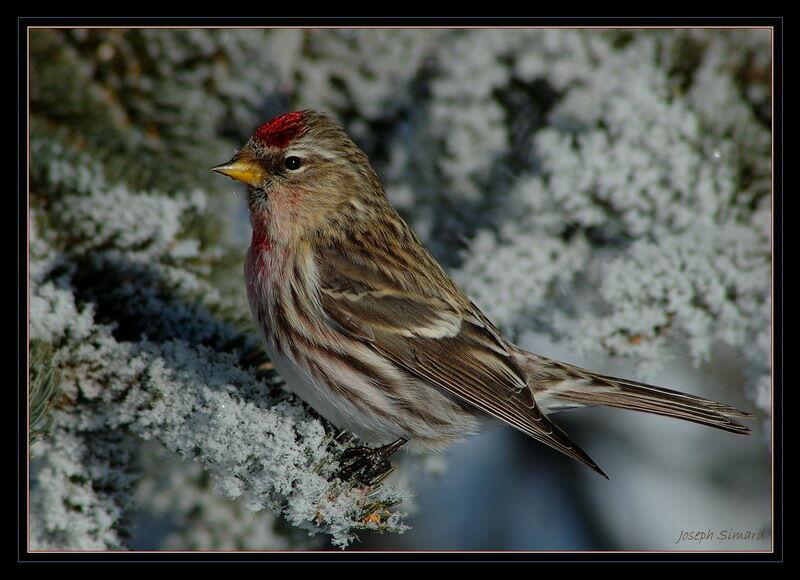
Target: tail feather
{"x":659,"y":401}
{"x":572,"y":386}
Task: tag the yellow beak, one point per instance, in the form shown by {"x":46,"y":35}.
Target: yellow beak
{"x":242,"y":169}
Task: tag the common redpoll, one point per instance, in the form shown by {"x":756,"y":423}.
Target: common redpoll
{"x":362,"y":322}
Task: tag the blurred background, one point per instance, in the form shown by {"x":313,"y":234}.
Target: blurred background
{"x":603,"y":195}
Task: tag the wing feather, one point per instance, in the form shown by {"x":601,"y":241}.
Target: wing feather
{"x":447,"y":343}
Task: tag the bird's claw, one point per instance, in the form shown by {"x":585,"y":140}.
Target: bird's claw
{"x":367,"y":464}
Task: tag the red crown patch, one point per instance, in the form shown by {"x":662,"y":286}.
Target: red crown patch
{"x":281,"y":130}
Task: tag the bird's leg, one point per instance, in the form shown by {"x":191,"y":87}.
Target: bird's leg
{"x":368,"y":464}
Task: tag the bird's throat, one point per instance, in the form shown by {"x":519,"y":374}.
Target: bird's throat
{"x":261,"y":239}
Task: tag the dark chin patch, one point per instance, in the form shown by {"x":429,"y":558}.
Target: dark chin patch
{"x":281,"y":130}
{"x":257,"y":198}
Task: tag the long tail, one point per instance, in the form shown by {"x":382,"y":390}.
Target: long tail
{"x":557,"y":386}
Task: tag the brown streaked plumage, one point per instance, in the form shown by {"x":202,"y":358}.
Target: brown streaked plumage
{"x":364,"y":324}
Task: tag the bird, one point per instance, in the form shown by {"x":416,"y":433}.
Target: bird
{"x":363,"y":323}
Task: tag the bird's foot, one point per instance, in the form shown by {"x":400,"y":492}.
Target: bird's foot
{"x":367,"y":464}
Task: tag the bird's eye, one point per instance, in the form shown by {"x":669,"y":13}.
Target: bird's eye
{"x":292,"y":162}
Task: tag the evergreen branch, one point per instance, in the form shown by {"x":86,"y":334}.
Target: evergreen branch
{"x":43,"y":389}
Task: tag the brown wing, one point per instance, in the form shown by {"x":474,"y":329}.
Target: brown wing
{"x":400,"y":310}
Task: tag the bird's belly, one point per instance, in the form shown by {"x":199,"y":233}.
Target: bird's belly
{"x":301,"y":383}
{"x":381,"y":419}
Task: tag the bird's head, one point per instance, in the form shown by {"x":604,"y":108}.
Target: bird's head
{"x":303,"y":174}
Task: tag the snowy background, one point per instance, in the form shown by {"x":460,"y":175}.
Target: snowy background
{"x":603,"y":195}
